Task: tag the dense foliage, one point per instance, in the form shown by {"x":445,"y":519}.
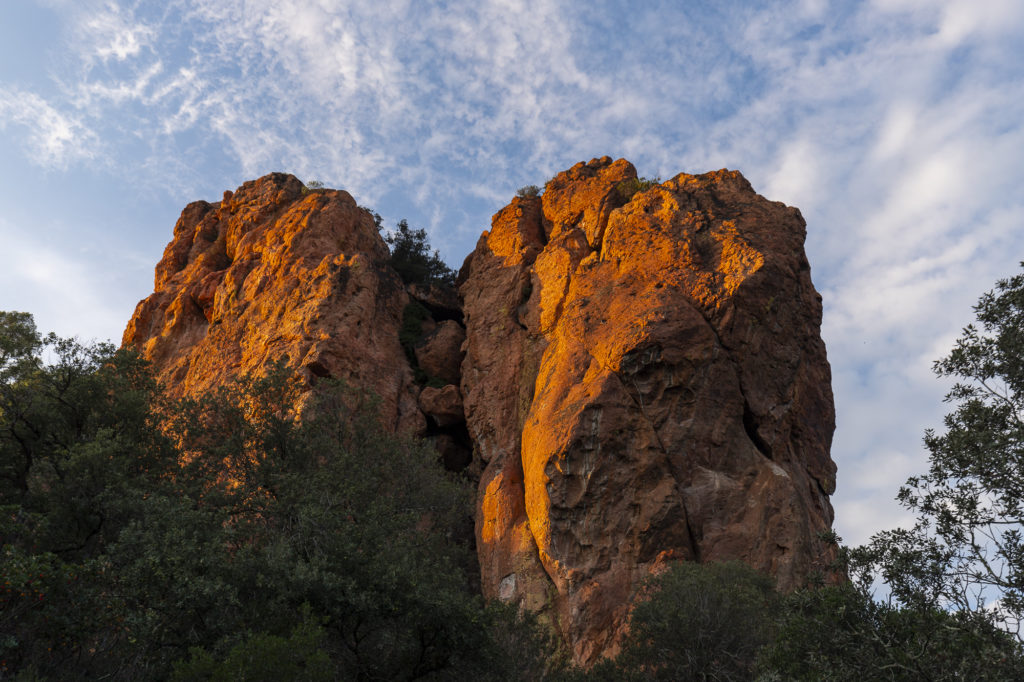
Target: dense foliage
{"x":697,"y":622}
{"x":725,"y":622}
{"x":840,"y":633}
{"x":225,"y":538}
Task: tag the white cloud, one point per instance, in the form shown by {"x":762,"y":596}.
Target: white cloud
{"x":798,"y":180}
{"x":908,"y":175}
{"x":52,"y":138}
{"x":66,"y":289}
{"x":866,"y":515}
{"x":962,"y":19}
{"x":897,"y":131}
{"x":102,"y":94}
{"x":108,"y":31}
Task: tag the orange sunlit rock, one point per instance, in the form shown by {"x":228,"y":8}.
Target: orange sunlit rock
{"x":274,"y":272}
{"x":651,"y":380}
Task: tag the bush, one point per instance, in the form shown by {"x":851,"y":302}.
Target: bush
{"x":528,"y":192}
{"x":519,"y":649}
{"x":840,"y":633}
{"x":262,"y":657}
{"x":627,"y":188}
{"x":141,"y":532}
{"x":696,"y":622}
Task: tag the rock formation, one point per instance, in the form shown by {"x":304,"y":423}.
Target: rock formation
{"x":271,"y":273}
{"x":644,"y":380}
{"x":634,"y":373}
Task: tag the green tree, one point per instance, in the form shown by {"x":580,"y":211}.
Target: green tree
{"x":412,"y":258}
{"x":840,"y":633}
{"x":76,"y":441}
{"x":518,"y":648}
{"x":265,"y":658}
{"x":696,"y":622}
{"x":966,"y":551}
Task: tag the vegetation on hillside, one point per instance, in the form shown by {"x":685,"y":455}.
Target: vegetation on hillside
{"x":627,"y":188}
{"x":227,"y":538}
{"x":411,"y":255}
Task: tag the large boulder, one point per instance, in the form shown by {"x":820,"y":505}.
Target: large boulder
{"x":644,"y":379}
{"x":443,"y":405}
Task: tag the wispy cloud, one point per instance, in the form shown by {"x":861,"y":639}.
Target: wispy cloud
{"x":50,"y":138}
{"x":111,"y":32}
{"x":899,"y":134}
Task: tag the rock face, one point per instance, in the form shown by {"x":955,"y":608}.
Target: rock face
{"x":644,"y":380}
{"x":274,"y":272}
{"x":439,"y":353}
{"x":633,"y":371}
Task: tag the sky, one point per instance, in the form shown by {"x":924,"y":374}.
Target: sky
{"x":896,"y":126}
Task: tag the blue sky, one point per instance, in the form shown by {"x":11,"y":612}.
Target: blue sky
{"x":896,"y":126}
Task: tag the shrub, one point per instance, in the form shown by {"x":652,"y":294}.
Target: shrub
{"x":840,"y":633}
{"x":221,"y":535}
{"x":697,"y":622}
{"x":528,"y":192}
{"x":627,"y":188}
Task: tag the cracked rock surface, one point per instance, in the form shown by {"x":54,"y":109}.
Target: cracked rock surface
{"x":645,"y":380}
{"x":275,"y":273}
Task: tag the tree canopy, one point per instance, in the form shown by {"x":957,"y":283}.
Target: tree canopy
{"x":966,"y":551}
{"x":231,"y":537}
{"x":697,"y":622}
{"x":412,"y":258}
